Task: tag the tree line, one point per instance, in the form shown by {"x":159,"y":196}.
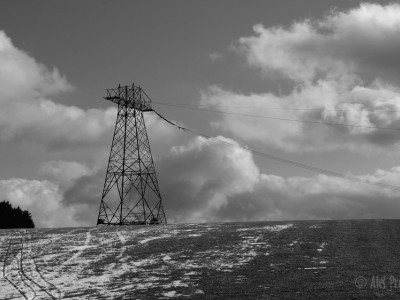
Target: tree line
{"x":11,"y":217}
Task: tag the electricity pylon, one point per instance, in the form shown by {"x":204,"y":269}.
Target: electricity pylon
{"x":131,"y":195}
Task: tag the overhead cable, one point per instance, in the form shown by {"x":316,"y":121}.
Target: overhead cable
{"x":282,"y":119}
{"x":286,"y":161}
{"x":275,"y":108}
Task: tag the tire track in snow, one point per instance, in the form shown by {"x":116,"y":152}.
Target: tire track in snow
{"x":80,"y":248}
{"x":5,"y":270}
{"x":24,"y":280}
{"x":19,"y":272}
{"x":30,"y":279}
{"x":123,"y":248}
{"x":52,"y":286}
{"x":36,"y":276}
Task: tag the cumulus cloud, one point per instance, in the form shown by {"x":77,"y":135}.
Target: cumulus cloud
{"x":213,"y":182}
{"x":343,"y":68}
{"x":42,"y":198}
{"x":69,"y":194}
{"x":54,"y":126}
{"x":355,"y":41}
{"x":206,"y":181}
{"x":28,"y":116}
{"x":22,"y":76}
{"x":205,"y":174}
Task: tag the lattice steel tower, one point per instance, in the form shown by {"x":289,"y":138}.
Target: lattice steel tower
{"x":130,"y":195}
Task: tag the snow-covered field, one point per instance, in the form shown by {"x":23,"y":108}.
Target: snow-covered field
{"x":228,"y":260}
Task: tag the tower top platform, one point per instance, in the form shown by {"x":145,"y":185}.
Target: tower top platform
{"x":130,"y":96}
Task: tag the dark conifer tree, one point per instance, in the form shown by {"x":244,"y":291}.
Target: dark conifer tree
{"x":14,"y":217}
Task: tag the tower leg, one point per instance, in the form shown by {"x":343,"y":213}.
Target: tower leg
{"x":131,"y":195}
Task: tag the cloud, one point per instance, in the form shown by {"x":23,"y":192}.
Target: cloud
{"x":360,"y":41}
{"x":214,"y":183}
{"x":22,"y":76}
{"x":206,"y":181}
{"x":216,"y":56}
{"x":28,"y":116}
{"x":318,"y":197}
{"x":205,"y":174}
{"x":343,"y":69}
{"x":41,"y":198}
{"x":54,"y":126}
{"x":64,"y":173}
{"x":68,"y":196}
{"x":162,"y":136}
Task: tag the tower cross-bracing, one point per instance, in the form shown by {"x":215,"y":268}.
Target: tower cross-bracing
{"x":131,"y":195}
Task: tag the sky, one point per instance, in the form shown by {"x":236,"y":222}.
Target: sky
{"x":315,"y":61}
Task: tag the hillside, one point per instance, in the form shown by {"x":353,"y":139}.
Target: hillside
{"x":307,"y":259}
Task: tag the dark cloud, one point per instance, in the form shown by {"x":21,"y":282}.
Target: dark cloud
{"x":213,"y":184}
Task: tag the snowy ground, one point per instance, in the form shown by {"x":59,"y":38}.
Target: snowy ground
{"x":232,"y":260}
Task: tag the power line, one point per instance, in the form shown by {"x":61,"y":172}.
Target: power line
{"x":281,"y":119}
{"x":286,"y":161}
{"x":273,"y":108}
